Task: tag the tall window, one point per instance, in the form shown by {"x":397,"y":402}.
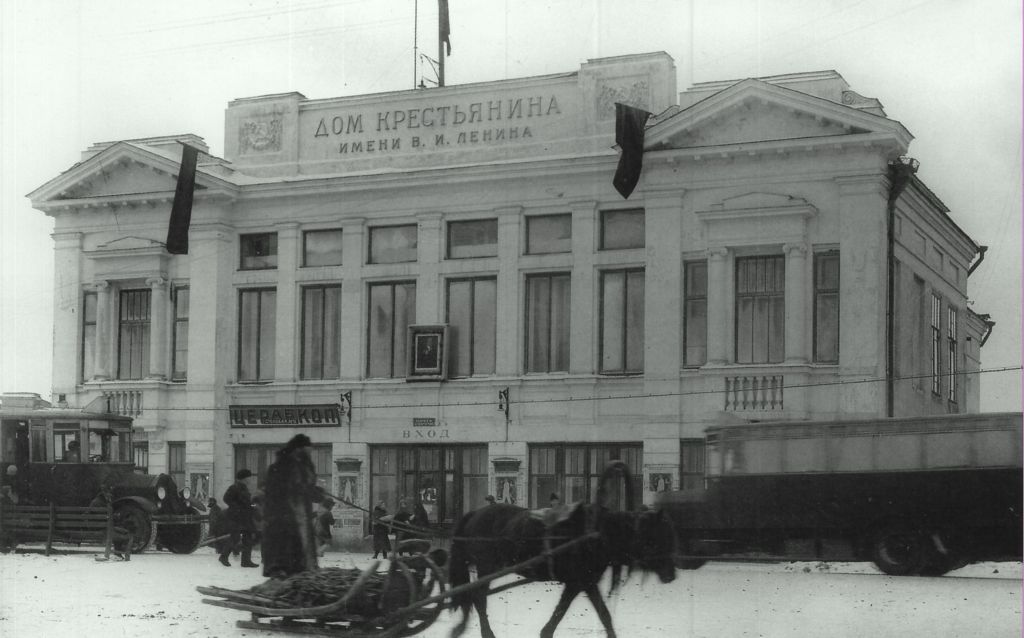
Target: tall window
{"x":547,"y":323}
{"x":691,"y":464}
{"x":573,"y":471}
{"x":472,"y":308}
{"x":259,"y":251}
{"x":549,"y":234}
{"x":622,"y":321}
{"x":760,"y":309}
{"x":951,"y":363}
{"x":133,"y":335}
{"x":257,"y":329}
{"x":695,"y":313}
{"x":321,"y":248}
{"x":88,"y":335}
{"x":622,"y":229}
{"x":257,"y":458}
{"x":936,"y":343}
{"x":321,"y":332}
{"x":393,"y":244}
{"x":176,"y":462}
{"x":449,"y":480}
{"x":179,"y":367}
{"x":826,"y":307}
{"x":140,"y":455}
{"x":392,"y":310}
{"x":476,"y":238}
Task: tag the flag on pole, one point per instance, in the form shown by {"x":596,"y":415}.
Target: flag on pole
{"x":181,"y":209}
{"x":444,"y":27}
{"x":629,"y":135}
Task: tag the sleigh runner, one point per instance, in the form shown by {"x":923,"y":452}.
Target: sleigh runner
{"x":345,"y":602}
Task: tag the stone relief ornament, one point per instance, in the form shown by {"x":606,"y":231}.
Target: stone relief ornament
{"x":636,"y":94}
{"x":260,"y":136}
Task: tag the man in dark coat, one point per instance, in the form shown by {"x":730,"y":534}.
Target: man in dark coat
{"x":289,"y":545}
{"x":238,"y":520}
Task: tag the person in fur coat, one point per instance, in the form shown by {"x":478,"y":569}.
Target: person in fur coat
{"x":289,"y":544}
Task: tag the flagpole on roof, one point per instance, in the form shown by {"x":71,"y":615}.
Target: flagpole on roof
{"x":443,"y":38}
{"x":415,"y":43}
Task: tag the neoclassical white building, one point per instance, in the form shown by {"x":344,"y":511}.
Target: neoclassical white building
{"x":443,"y":290}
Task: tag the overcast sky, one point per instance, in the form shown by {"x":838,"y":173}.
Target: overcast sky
{"x":77,"y":72}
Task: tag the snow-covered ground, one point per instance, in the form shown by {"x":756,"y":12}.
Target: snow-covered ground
{"x":154,"y":595}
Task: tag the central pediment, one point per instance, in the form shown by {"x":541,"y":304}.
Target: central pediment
{"x":753,"y":111}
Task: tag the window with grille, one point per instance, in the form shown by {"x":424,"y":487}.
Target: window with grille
{"x":133,"y":335}
{"x":760,"y":309}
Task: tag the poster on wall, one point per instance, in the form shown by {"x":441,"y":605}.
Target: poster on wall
{"x":506,"y":492}
{"x":200,"y":484}
{"x":660,"y":482}
{"x":347,"y":489}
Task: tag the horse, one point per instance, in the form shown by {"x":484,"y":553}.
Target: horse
{"x":500,"y":536}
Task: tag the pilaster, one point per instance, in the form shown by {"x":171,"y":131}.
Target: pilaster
{"x":353,"y":234}
{"x":582,"y":315}
{"x":718,"y":308}
{"x":104,"y":330}
{"x":289,"y":306}
{"x":508,"y":315}
{"x":798,"y":324}
{"x":428,"y":253}
{"x":158,"y":320}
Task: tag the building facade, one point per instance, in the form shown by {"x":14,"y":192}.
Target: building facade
{"x":443,"y":290}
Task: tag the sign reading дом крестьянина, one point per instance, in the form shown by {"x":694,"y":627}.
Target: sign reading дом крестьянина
{"x":270,"y":416}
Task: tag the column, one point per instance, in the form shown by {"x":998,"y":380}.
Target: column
{"x":157,"y":327}
{"x":508,"y":320}
{"x":798,"y":324}
{"x":718,"y":306}
{"x":67,"y":309}
{"x":289,"y":305}
{"x":663,"y":310}
{"x":103,"y":330}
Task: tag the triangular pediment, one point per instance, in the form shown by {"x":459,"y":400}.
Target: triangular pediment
{"x":753,"y":111}
{"x":122,"y":172}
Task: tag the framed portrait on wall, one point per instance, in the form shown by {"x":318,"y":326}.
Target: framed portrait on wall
{"x":428,"y":353}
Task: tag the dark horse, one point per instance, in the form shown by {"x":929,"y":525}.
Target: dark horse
{"x":500,"y":536}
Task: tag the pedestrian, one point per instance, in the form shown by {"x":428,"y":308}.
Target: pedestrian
{"x":323,"y":523}
{"x":289,"y":544}
{"x":400,"y":523}
{"x":216,"y":521}
{"x":238,"y":520}
{"x":379,"y":529}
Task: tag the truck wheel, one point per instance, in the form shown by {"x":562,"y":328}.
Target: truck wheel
{"x":898,"y":551}
{"x":180,"y":539}
{"x":134,"y":520}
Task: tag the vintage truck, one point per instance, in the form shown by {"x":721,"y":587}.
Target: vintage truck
{"x":71,"y":457}
{"x":917,"y":496}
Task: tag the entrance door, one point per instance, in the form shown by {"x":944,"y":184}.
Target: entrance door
{"x":421,"y":479}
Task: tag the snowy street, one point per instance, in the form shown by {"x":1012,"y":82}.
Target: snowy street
{"x":154,"y":595}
